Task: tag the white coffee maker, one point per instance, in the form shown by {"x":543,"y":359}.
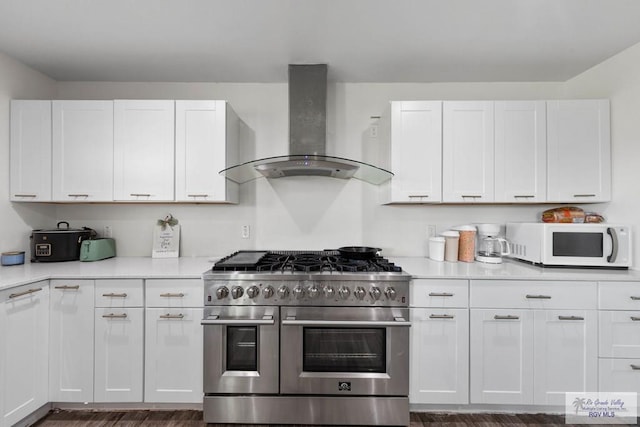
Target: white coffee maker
{"x":490,"y":247}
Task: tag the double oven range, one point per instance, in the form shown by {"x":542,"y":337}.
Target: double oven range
{"x":301,"y":337}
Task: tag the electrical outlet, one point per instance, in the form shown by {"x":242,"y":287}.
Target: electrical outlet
{"x":373,"y":131}
{"x":107,"y":231}
{"x":431,"y":231}
{"x":245,"y":232}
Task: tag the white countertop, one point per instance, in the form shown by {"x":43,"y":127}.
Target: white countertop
{"x":192,"y":268}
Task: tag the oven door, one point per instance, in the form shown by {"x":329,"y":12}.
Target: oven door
{"x":356,"y":351}
{"x":240,"y":350}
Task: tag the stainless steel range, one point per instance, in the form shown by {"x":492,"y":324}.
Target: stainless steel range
{"x":299,"y":337}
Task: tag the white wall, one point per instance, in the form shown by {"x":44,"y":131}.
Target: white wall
{"x":18,"y":81}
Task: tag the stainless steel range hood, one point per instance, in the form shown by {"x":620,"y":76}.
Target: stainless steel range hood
{"x":307,"y":138}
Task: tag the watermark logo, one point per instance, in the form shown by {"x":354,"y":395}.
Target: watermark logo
{"x":601,"y":408}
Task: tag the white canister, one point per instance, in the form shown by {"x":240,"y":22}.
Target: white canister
{"x":436,"y":248}
{"x":451,"y":245}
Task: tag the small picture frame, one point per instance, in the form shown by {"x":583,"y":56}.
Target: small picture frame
{"x":166,"y":240}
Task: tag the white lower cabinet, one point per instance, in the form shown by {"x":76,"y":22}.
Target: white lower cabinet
{"x":71,"y":330}
{"x":24,"y":351}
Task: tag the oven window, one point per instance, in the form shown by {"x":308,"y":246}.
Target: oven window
{"x":578,"y":245}
{"x":242,"y":348}
{"x":344,"y":350}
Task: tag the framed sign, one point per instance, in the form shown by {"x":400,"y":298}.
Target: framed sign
{"x":166,"y":238}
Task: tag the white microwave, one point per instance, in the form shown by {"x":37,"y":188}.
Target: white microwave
{"x":571,"y":245}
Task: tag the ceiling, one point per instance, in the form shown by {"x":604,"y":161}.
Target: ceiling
{"x":360,"y":40}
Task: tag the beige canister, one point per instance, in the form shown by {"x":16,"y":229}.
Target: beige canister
{"x":451,"y":245}
{"x":466,"y":243}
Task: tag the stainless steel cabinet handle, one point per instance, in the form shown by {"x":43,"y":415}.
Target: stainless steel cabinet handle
{"x":215,"y":320}
{"x":635,"y":367}
{"x":172,"y":316}
{"x":112,"y":295}
{"x":440,"y":294}
{"x":570,"y":318}
{"x":441,"y":316}
{"x":140,"y":194}
{"x":197,"y":195}
{"x":634,"y":298}
{"x":524,"y":196}
{"x":417,"y":196}
{"x":340,"y":323}
{"x":508,"y":317}
{"x":584,"y":195}
{"x":538,"y":296}
{"x":464,"y":196}
{"x":77,"y":195}
{"x":635,"y":319}
{"x":25,"y":195}
{"x":115,"y":316}
{"x":67,"y":287}
{"x":170,"y":295}
{"x":27,"y":292}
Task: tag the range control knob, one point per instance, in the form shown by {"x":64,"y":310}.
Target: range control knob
{"x":344,"y":292}
{"x":222,"y":292}
{"x":236,"y":292}
{"x":359,"y":292}
{"x":253,"y":291}
{"x":283,"y":292}
{"x":375,"y":293}
{"x":313,"y":291}
{"x":268,"y":292}
{"x":298,"y":292}
{"x":390,"y":293}
{"x":328,"y":292}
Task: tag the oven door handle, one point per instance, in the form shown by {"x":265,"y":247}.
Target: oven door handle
{"x":292,"y":321}
{"x":215,"y":320}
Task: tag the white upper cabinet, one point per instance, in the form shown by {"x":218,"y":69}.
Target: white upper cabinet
{"x":578,"y":151}
{"x":206,"y":141}
{"x":30,"y":151}
{"x":520,"y":151}
{"x":467,"y":149}
{"x":83,"y":151}
{"x":143,"y":150}
{"x":412,"y":133}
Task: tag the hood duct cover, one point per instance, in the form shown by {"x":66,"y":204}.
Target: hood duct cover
{"x":307,"y":138}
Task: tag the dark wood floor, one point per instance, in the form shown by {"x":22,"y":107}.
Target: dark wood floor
{"x":60,"y":418}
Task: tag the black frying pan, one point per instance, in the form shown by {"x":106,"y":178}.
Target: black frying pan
{"x":358,"y":252}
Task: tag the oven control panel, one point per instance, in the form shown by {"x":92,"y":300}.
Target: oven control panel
{"x":309,"y":293}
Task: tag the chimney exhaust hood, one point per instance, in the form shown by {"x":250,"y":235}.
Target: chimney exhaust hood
{"x":307,"y":138}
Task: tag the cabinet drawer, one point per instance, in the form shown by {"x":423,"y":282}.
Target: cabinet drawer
{"x":619,"y":295}
{"x":619,"y":333}
{"x":533,"y":294}
{"x":119,"y":293}
{"x":440,"y":293}
{"x":174,"y":293}
{"x":619,"y":375}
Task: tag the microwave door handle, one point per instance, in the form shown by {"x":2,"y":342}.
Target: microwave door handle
{"x":614,"y":245}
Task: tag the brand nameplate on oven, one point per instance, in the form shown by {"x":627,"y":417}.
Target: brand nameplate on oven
{"x":344,"y":386}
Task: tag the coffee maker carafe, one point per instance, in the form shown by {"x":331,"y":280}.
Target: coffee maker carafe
{"x":491,"y":248}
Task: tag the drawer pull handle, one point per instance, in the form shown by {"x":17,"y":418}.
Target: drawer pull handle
{"x":472,"y":196}
{"x":441,"y":316}
{"x":115,"y":316}
{"x":524,"y":196}
{"x":417,"y":196}
{"x":64,"y":287}
{"x":170,"y":295}
{"x":77,"y":195}
{"x":509,"y":317}
{"x":27,"y":292}
{"x":112,"y":295}
{"x":635,"y":319}
{"x":539,"y":296}
{"x":440,"y":294}
{"x":197,"y":195}
{"x":584,"y":195}
{"x":570,"y":318}
{"x":635,"y":367}
{"x":634,"y":298}
{"x":24,"y":195}
{"x":140,"y":195}
{"x":172,"y":316}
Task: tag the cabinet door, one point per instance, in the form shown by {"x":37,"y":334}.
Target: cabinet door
{"x":619,"y":333}
{"x":565,"y":354}
{"x":24,"y":353}
{"x":501,"y":365}
{"x":143,"y":150}
{"x":173,"y":353}
{"x":83,"y":151}
{"x":467,"y":148}
{"x":439,"y":356}
{"x":520,"y":151}
{"x":201,"y":151}
{"x":578,"y":151}
{"x":30,"y":151}
{"x":416,"y":151}
{"x":71,"y":341}
{"x":118,"y":354}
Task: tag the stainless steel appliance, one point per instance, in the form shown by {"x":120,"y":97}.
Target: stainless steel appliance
{"x":299,"y":337}
{"x":571,"y":245}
